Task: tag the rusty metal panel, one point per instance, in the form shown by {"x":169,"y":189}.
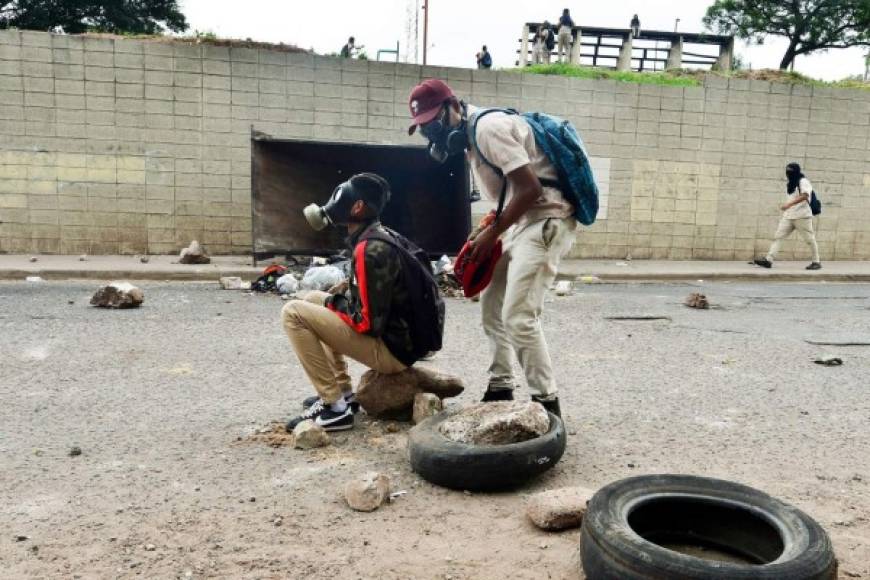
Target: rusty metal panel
{"x":429,"y":203}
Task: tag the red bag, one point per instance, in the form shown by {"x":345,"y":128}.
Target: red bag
{"x":475,"y":276}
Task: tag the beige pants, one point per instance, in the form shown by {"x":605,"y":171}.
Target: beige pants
{"x":321,"y":340}
{"x":804,"y":227}
{"x":565,"y":40}
{"x":512,"y":303}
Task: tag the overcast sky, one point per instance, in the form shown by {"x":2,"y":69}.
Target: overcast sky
{"x":457,"y":28}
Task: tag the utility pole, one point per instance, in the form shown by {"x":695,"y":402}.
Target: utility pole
{"x":867,"y":66}
{"x":676,"y":24}
{"x":425,"y":29}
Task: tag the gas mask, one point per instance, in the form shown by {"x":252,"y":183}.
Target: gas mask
{"x":336,"y":211}
{"x":446,"y":141}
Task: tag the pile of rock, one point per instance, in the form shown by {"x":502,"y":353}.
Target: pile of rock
{"x":392,"y":396}
{"x":697,"y":300}
{"x":193,"y":254}
{"x":118,"y":295}
{"x":496,"y":423}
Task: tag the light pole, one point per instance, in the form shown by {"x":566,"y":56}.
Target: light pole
{"x":676,"y":24}
{"x":425,"y":29}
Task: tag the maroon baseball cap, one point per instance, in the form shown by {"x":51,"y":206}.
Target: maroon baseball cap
{"x":426,"y":100}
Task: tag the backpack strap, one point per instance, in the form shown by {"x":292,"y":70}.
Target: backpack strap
{"x":472,"y":128}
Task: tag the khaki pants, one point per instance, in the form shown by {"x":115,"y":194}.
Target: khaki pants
{"x":804,"y":227}
{"x":565,"y":40}
{"x":321,"y":340}
{"x":511,"y":305}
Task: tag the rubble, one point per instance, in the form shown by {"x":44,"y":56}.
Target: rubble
{"x":34,"y":279}
{"x":496,"y":423}
{"x":118,"y":295}
{"x":33,"y":258}
{"x":321,"y":278}
{"x":231,"y":283}
{"x":309,"y":435}
{"x":697,"y":300}
{"x":392,"y":396}
{"x":425,"y":405}
{"x":449,"y":285}
{"x":563,"y":288}
{"x":193,"y":254}
{"x":559,"y":509}
{"x":287,"y":284}
{"x":368,"y":492}
{"x":145,"y":259}
{"x":75,"y":451}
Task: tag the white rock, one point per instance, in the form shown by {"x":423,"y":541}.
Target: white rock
{"x":83,"y":258}
{"x":231,"y":283}
{"x":34,"y":279}
{"x":559,"y":509}
{"x":425,"y":406}
{"x":193,"y":254}
{"x":563,"y":287}
{"x":496,"y":423}
{"x":118,"y":295}
{"x":308,"y":435}
{"x":367,"y":493}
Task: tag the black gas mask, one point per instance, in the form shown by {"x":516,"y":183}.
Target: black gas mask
{"x":337,"y":209}
{"x":444,"y":140}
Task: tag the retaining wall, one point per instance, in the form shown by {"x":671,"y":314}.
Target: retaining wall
{"x":125,"y":146}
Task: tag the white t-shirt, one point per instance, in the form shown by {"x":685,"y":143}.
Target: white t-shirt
{"x":508,"y":142}
{"x":801,"y":210}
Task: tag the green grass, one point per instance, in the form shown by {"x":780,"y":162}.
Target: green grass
{"x":684,"y":78}
{"x":585,"y":72}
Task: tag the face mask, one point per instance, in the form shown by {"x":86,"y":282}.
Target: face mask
{"x":336,"y":211}
{"x":445,"y":141}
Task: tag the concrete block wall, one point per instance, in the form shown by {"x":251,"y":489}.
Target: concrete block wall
{"x":129,"y":146}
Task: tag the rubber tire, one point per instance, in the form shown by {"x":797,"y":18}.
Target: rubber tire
{"x":482,"y":467}
{"x":612,"y":550}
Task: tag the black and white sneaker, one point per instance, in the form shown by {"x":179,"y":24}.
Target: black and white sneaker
{"x":335,"y":420}
{"x":491,"y":395}
{"x":312,"y":412}
{"x":349,"y":399}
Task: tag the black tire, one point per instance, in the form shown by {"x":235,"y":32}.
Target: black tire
{"x":482,"y":467}
{"x":625,"y":518}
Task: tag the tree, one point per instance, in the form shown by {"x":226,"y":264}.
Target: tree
{"x":77,"y":16}
{"x":810,"y":25}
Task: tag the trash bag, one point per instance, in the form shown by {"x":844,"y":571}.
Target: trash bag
{"x":443,"y":265}
{"x":287,"y":284}
{"x":322,"y":278}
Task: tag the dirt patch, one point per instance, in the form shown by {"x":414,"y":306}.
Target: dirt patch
{"x":274,"y":435}
{"x":203,"y":39}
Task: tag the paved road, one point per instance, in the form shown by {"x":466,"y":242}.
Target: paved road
{"x":157,"y":398}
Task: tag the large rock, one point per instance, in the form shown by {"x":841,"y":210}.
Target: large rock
{"x":231,"y":283}
{"x":367,"y":493}
{"x":118,"y":295}
{"x":559,"y":509}
{"x":497,"y":423}
{"x":308,"y":435}
{"x":392,"y":396}
{"x":425,"y":406}
{"x":193,"y":254}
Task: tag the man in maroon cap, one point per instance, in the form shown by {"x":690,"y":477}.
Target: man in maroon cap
{"x":537,"y":226}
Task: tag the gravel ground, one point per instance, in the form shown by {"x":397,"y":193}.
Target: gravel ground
{"x":162,"y":401}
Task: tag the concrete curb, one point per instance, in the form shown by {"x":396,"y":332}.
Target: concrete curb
{"x":153,"y":275}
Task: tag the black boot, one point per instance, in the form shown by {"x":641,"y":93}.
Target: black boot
{"x":551,"y":405}
{"x":497,"y":395}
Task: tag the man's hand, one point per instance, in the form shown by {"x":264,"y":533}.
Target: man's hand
{"x":339,"y":288}
{"x":785,"y":206}
{"x":483,"y":244}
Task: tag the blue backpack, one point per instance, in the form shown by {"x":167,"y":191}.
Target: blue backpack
{"x":562,"y":145}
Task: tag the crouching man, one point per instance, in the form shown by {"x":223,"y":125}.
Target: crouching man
{"x":375,"y":318}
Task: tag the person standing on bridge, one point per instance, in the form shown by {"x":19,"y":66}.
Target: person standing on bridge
{"x":566,"y":36}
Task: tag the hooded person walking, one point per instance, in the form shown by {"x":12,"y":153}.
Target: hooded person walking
{"x":796,"y":215}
